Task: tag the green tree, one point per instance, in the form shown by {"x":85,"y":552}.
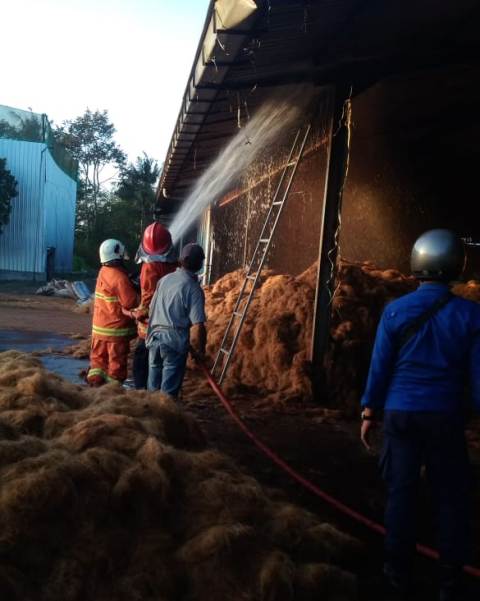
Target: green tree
{"x":8,"y":190}
{"x":88,"y":242}
{"x":124,"y":211}
{"x":90,"y":140}
{"x":26,"y":128}
{"x":136,"y":188}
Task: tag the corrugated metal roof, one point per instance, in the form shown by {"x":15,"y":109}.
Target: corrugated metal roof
{"x":298,"y":40}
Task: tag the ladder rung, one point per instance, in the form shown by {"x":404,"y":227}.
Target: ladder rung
{"x":253,"y":271}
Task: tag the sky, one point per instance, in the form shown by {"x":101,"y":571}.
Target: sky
{"x":131,"y":57}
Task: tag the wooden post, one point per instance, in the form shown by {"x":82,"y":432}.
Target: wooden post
{"x":337,"y":165}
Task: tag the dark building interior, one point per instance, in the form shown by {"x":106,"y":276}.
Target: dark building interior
{"x":412,"y":71}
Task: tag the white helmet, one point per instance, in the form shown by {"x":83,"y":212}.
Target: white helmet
{"x":112,"y":250}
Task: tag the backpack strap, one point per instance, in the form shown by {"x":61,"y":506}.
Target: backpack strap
{"x":414,"y":326}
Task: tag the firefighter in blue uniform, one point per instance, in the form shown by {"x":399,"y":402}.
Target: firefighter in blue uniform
{"x":426,"y":353}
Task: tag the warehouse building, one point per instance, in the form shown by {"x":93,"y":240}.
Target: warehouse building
{"x":392,"y":150}
{"x":38,"y":240}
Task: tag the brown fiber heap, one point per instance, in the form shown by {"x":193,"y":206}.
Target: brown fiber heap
{"x":271,"y":357}
{"x":109,"y":495}
{"x":360,"y":297}
{"x":272,"y":352}
{"x":470,"y":290}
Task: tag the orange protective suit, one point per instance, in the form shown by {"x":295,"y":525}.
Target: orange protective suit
{"x":111,"y":329}
{"x":149,"y":277}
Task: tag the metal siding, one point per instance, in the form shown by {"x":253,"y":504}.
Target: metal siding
{"x":22,"y":242}
{"x":59,"y":201}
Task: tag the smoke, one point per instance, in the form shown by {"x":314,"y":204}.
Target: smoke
{"x":273,"y":117}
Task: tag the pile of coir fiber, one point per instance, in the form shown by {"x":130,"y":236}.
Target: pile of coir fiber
{"x":360,"y":297}
{"x":271,"y":357}
{"x":272,"y":352}
{"x":470,"y":290}
{"x":112,"y":495}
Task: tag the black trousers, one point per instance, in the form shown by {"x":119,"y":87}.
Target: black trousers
{"x":140,"y":365}
{"x":436,"y":440}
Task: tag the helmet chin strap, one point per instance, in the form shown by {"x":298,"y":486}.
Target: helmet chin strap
{"x":114,"y":263}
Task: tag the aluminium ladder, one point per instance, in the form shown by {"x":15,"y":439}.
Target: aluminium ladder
{"x":253,"y":271}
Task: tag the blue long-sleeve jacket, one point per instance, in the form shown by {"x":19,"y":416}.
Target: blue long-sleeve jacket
{"x":433,"y":369}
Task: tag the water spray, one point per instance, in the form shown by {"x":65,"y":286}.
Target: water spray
{"x":260,"y":132}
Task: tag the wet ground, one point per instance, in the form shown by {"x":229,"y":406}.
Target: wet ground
{"x":328,"y":452}
{"x":29,"y":342}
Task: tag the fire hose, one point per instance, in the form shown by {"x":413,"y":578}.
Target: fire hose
{"x":329,"y":499}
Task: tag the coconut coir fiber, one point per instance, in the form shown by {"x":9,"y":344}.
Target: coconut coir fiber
{"x":469,"y":290}
{"x":271,"y":357}
{"x":272,"y":352}
{"x":111,"y":494}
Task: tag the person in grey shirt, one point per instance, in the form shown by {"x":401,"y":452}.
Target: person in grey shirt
{"x":178,"y":306}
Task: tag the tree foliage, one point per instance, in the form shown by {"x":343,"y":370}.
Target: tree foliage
{"x":137,"y":189}
{"x":8,"y":191}
{"x":90,"y":140}
{"x":121,"y":210}
{"x":26,"y":128}
{"x":125,"y":210}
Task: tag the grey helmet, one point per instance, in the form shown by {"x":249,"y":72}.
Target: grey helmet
{"x":438,"y":255}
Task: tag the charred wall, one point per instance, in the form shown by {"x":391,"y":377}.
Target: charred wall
{"x":413,"y":165}
{"x":239,"y":217}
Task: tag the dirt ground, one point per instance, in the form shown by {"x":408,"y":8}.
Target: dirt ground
{"x":21,"y":309}
{"x":321,"y":446}
{"x":326,"y":450}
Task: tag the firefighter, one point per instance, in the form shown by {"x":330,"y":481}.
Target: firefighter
{"x":427,"y":351}
{"x":112,"y":330}
{"x":177,"y":306}
{"x":158,"y":258}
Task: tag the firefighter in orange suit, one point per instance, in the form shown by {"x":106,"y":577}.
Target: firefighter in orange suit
{"x":158,"y":258}
{"x":112,"y":330}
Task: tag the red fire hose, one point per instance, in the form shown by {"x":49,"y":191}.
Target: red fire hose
{"x":355,"y":515}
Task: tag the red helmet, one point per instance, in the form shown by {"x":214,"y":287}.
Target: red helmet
{"x":156,"y":239}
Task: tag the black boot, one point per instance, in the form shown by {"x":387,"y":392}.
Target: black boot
{"x":451,"y":583}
